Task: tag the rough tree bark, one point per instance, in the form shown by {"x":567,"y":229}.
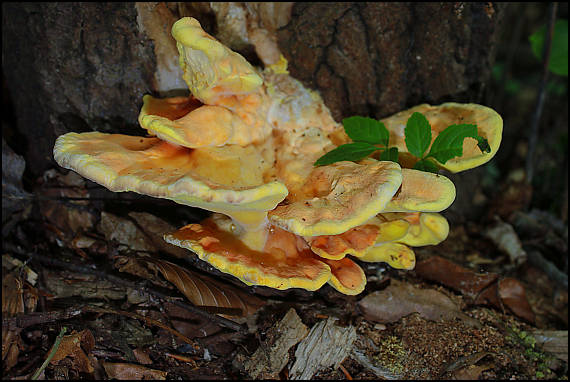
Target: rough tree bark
{"x":80,"y":67}
{"x":376,"y":59}
{"x":71,"y":67}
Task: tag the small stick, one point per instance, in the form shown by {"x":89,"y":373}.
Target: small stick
{"x":181,"y":358}
{"x":345,"y":372}
{"x":29,"y":319}
{"x":51,"y":353}
{"x":541,"y":93}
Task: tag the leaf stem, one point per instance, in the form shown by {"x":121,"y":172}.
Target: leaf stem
{"x":51,"y":353}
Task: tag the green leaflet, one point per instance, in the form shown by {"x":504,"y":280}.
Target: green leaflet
{"x":426,"y":165}
{"x":390,"y":154}
{"x":449,"y":143}
{"x":363,"y":129}
{"x":350,"y":151}
{"x":418,"y":134}
{"x":558,"y":63}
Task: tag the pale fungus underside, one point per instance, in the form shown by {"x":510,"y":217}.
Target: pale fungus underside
{"x":243,"y":145}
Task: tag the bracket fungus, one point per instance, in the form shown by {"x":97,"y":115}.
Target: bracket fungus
{"x":243,"y":144}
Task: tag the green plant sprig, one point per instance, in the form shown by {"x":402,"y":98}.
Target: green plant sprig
{"x":558,"y":63}
{"x":369,"y":135}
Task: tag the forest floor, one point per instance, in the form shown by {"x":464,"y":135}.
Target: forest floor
{"x":473,"y":308}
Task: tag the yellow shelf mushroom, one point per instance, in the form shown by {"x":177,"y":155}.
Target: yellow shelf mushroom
{"x":243,"y":145}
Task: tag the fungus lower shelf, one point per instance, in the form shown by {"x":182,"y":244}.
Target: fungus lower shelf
{"x":286,"y":261}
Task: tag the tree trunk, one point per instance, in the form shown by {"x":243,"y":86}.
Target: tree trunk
{"x":72,"y":67}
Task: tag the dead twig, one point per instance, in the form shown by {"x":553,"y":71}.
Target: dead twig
{"x":541,"y":93}
{"x":221,"y":321}
{"x":182,"y":358}
{"x":25,"y":320}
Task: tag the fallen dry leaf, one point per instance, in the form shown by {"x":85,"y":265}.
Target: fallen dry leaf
{"x":460,"y":279}
{"x":489,"y":296}
{"x":507,"y":293}
{"x":76,"y":346}
{"x":10,"y":347}
{"x":12,"y":294}
{"x":401,"y":299}
{"x":31,"y":297}
{"x":17,"y":297}
{"x":142,"y":356}
{"x":12,"y":303}
{"x":200,"y":290}
{"x":203,"y":291}
{"x":125,"y":371}
{"x":512,"y":294}
{"x":482,"y":289}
